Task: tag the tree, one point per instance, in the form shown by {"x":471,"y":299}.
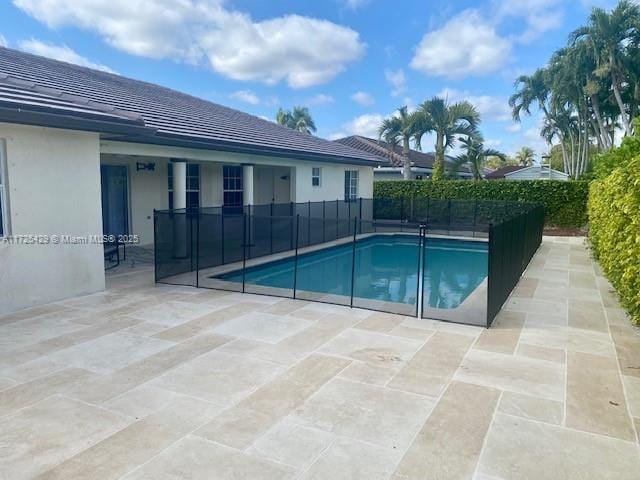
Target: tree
{"x":609,"y":36}
{"x":297,"y":119}
{"x":398,"y":130}
{"x":525,"y":156}
{"x":447,"y":121}
{"x":475,"y":155}
{"x":494,"y":163}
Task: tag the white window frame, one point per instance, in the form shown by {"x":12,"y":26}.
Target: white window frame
{"x":316,"y":172}
{"x":4,"y":195}
{"x":351,"y":194}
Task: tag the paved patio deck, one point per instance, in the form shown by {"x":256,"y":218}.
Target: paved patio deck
{"x":159,"y":382}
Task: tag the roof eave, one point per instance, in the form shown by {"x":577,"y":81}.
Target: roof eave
{"x":211,"y":144}
{"x":83,"y":122}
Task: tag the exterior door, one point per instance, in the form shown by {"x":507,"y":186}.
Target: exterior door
{"x":115,"y":199}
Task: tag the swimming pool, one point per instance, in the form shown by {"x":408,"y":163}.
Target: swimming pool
{"x":386,"y":269}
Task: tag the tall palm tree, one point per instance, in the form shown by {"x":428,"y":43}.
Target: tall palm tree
{"x":475,"y":155}
{"x":297,"y":119}
{"x":525,"y":156}
{"x":447,"y":121}
{"x":530,"y":90}
{"x":609,"y":35}
{"x":398,"y":130}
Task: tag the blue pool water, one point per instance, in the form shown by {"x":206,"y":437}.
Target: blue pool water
{"x":386,"y":269}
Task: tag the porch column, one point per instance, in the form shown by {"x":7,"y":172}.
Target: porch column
{"x":247,"y":179}
{"x":179,"y":183}
{"x":181,"y":243}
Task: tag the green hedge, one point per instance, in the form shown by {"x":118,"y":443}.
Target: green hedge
{"x":614,"y":231}
{"x":565,"y":203}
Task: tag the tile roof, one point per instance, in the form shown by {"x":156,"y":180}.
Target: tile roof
{"x":502,"y":171}
{"x":30,"y":83}
{"x":381,"y":149}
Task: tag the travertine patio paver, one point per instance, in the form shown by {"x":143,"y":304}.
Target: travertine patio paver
{"x":183,"y":383}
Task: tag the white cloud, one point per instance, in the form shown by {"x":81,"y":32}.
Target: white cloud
{"x":3,"y":41}
{"x":493,"y":143}
{"x":355,"y":4}
{"x":363,"y":98}
{"x":599,"y":3}
{"x":300,"y":51}
{"x":540,"y":16}
{"x":60,"y":52}
{"x":246,"y":96}
{"x":514,"y":128}
{"x":397,"y":80}
{"x":491,"y":108}
{"x":366,"y":125}
{"x":465,"y":45}
{"x":319,"y":99}
{"x":532,"y":138}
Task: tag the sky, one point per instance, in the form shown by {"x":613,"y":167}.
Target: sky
{"x":352,"y":62}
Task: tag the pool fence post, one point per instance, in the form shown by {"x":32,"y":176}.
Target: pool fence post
{"x":475,"y":216}
{"x":155,"y":246}
{"x":489,"y":273}
{"x":309,"y":225}
{"x":244,"y":248}
{"x":197,"y":249}
{"x":295,"y":260}
{"x":291,"y":224}
{"x":420,"y":275}
{"x":222,"y":234}
{"x":353,"y":261}
{"x":337,"y":217}
{"x":271,"y":228}
{"x":424,"y":266}
{"x":249,"y":228}
{"x":324,"y":219}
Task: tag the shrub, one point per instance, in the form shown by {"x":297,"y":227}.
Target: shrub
{"x":565,"y":203}
{"x":614,"y":230}
{"x":605,"y":163}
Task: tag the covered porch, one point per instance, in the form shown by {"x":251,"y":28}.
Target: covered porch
{"x":133,"y":186}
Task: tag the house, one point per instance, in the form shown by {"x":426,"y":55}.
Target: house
{"x":85,"y":153}
{"x":534,"y":172}
{"x":421,"y":163}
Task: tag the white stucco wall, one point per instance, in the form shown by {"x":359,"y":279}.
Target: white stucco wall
{"x":54,"y":189}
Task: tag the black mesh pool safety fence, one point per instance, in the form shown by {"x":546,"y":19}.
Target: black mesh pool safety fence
{"x":449,"y":260}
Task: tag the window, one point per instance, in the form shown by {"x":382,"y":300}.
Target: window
{"x":232,"y":186}
{"x":193,"y":185}
{"x":4,"y":213}
{"x":316,"y":175}
{"x":350,"y":185}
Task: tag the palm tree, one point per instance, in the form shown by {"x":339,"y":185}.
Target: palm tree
{"x":299,"y":119}
{"x":475,"y":155}
{"x":398,"y":130}
{"x":447,"y":121}
{"x":530,"y":90}
{"x":525,"y":156}
{"x":609,"y":35}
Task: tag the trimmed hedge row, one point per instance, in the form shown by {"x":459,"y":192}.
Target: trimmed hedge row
{"x":614,"y":231}
{"x":565,"y":203}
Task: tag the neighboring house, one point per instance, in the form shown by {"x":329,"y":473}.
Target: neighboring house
{"x":534,"y":172}
{"x":84,"y":152}
{"x":421,"y":163}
